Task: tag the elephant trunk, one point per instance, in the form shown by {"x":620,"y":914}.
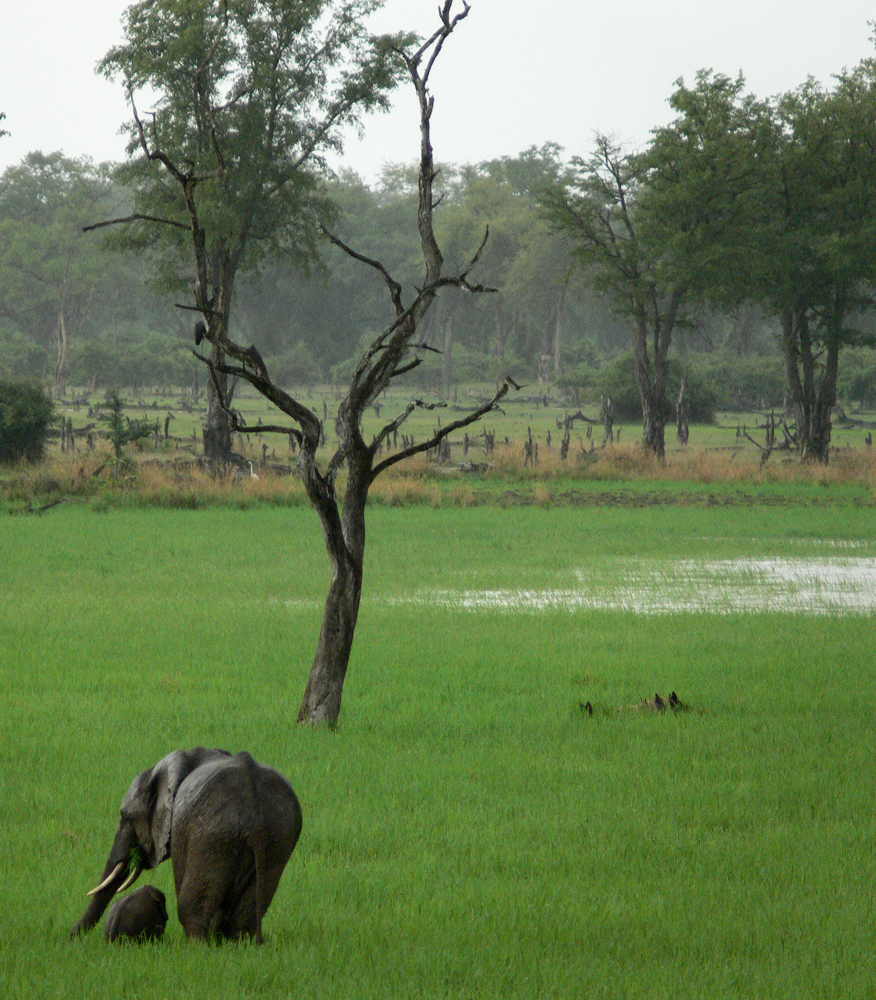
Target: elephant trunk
{"x":101,"y":897}
{"x":113,"y":878}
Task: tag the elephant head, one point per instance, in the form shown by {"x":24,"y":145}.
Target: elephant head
{"x":140,"y":916}
{"x":143,"y":836}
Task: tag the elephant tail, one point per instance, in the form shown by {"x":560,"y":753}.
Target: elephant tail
{"x":259,"y":847}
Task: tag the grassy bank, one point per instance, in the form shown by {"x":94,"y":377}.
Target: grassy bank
{"x":468,"y":831}
{"x":176,"y":482}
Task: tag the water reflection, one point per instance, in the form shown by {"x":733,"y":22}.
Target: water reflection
{"x":652,"y":587}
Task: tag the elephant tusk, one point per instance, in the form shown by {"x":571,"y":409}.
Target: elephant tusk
{"x":108,"y":879}
{"x":131,"y":879}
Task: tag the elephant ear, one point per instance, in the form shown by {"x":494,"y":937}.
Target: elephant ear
{"x":149,"y":804}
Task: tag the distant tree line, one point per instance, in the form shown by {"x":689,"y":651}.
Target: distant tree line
{"x":74,"y":310}
{"x":735,"y":249}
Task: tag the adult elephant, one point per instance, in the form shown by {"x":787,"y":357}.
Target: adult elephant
{"x":228,"y":824}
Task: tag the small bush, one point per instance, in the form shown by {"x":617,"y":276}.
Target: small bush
{"x":618,"y":381}
{"x":25,"y":415}
{"x":744,"y":383}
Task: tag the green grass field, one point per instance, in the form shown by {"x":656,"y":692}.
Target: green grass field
{"x":468,"y":832}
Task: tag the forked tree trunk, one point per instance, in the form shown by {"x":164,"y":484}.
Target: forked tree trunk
{"x":344,"y":534}
{"x":812,"y":403}
{"x":652,"y":392}
{"x":392,"y":353}
{"x":325,"y":685}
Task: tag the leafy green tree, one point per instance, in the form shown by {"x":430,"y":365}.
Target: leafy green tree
{"x":818,"y":237}
{"x":597,"y":206}
{"x":775,"y":204}
{"x":26,"y":412}
{"x":662,"y":231}
{"x":50,"y":274}
{"x":226,"y":173}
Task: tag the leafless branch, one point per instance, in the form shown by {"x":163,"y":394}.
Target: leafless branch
{"x":134,"y":218}
{"x":394,"y":287}
{"x":308,"y":422}
{"x":197,"y":309}
{"x":393,"y":426}
{"x":436,"y":41}
{"x":407,"y":368}
{"x":183,"y":178}
{"x":443,"y":432}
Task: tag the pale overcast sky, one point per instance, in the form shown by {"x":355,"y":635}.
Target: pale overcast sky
{"x":517,"y":73}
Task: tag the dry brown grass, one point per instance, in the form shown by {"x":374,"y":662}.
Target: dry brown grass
{"x":701,"y":465}
{"x":183,"y":483}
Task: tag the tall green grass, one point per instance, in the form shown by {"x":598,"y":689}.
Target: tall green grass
{"x":468,"y":831}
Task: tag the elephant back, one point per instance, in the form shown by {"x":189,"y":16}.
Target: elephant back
{"x":239,"y":794}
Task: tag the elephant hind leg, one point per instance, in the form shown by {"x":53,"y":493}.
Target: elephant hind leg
{"x":203,"y":890}
{"x":250,"y":899}
{"x":200,"y":916}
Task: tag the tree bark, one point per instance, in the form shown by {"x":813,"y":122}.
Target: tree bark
{"x":60,"y":373}
{"x":447,"y":365}
{"x":682,"y":414}
{"x":654,"y":413}
{"x":325,"y":684}
{"x":344,"y":534}
{"x":656,"y":319}
{"x":217,"y":429}
{"x":812,"y":403}
{"x":652,"y":392}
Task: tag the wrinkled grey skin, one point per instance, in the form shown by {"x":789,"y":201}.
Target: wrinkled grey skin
{"x":228,"y":824}
{"x":140,"y":916}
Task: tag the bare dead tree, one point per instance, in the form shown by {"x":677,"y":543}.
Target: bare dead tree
{"x":392,"y":353}
{"x":608,"y":419}
{"x":682,"y":414}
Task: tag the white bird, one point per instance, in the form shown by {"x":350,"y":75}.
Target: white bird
{"x":252,"y":474}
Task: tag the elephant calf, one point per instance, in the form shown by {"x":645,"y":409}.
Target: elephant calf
{"x":141,"y":916}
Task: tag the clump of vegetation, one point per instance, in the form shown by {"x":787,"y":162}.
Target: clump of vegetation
{"x":123,"y":430}
{"x":26,"y":412}
{"x":617,"y":380}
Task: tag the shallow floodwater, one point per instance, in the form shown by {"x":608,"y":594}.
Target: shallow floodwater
{"x":653,"y":587}
{"x":836,"y":584}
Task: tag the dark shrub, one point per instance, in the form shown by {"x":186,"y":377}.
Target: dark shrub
{"x":26,"y":412}
{"x":618,"y":380}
